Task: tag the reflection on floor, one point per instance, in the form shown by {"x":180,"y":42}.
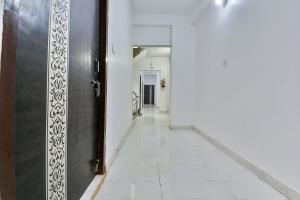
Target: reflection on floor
{"x":156,"y":163}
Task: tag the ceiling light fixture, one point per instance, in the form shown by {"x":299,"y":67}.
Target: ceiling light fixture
{"x":221,"y":2}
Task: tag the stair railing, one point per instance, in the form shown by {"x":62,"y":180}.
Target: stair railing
{"x":135,"y":105}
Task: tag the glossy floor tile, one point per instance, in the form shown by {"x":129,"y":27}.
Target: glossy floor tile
{"x":156,"y":163}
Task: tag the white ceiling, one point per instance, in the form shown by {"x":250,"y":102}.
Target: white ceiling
{"x":164,"y":6}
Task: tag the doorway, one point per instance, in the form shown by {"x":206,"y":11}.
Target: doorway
{"x":149,"y":95}
{"x":152,"y":76}
{"x":150,"y":88}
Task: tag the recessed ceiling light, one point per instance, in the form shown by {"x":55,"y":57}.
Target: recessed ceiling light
{"x":221,"y":2}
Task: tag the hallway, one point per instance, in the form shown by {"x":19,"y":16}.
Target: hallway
{"x":73,"y":86}
{"x":156,"y":163}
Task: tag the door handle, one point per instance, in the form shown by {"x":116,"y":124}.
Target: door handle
{"x":97,"y":87}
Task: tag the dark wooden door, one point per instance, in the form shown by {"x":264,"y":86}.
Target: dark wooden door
{"x":84,"y":102}
{"x":7,"y":103}
{"x":149,"y":94}
{"x":86,"y":112}
{"x":31,"y":92}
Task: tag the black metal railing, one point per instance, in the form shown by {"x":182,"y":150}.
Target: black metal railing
{"x":135,"y":105}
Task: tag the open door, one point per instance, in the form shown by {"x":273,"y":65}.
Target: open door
{"x":149,"y":95}
{"x":87,"y":94}
{"x":25,"y":97}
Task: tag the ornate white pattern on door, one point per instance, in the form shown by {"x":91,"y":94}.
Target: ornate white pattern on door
{"x":57,"y":99}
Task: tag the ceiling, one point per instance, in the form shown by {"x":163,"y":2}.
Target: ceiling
{"x":163,"y":6}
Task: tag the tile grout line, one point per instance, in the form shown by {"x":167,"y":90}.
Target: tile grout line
{"x":157,"y":163}
{"x":159,"y":178}
{"x":220,"y":181}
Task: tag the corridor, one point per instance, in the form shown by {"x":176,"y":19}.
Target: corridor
{"x":156,"y":163}
{"x":216,"y":81}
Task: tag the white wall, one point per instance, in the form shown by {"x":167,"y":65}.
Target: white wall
{"x":155,"y":35}
{"x":160,"y":64}
{"x":150,"y":79}
{"x":182,"y":63}
{"x":248,"y":82}
{"x":119,"y":117}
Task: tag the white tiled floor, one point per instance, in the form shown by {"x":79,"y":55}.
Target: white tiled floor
{"x":156,"y":163}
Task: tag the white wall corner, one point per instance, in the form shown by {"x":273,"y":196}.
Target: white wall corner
{"x":197,"y":11}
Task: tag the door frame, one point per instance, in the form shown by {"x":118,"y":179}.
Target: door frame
{"x":103,"y":34}
{"x":7,"y":101}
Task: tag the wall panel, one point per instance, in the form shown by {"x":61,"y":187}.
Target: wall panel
{"x":31,"y":87}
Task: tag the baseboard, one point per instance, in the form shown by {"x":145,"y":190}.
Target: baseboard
{"x":92,"y":188}
{"x":163,"y":111}
{"x":181,"y":127}
{"x":116,"y":153}
{"x":275,"y":183}
{"x":95,"y":185}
